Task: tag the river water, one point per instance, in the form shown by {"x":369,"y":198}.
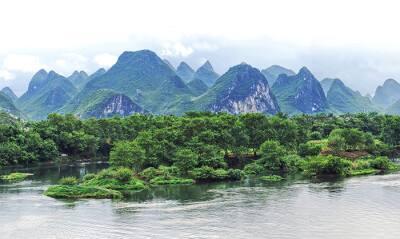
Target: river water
{"x":358,"y":207}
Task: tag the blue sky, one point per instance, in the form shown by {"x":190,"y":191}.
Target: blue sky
{"x":356,"y":41}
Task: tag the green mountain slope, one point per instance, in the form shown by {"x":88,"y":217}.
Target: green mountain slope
{"x":342,"y":99}
{"x":107,"y":103}
{"x":387,"y":94}
{"x":46,"y":93}
{"x":272,"y":73}
{"x":206,"y":74}
{"x":10,"y":93}
{"x":185,"y":72}
{"x":241,"y":89}
{"x":326,"y":84}
{"x":197,"y":86}
{"x":301,"y":93}
{"x":8,"y":106}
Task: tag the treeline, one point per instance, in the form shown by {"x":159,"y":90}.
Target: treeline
{"x":196,"y":139}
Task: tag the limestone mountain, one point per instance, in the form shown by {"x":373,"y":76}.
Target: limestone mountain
{"x":143,"y":77}
{"x":387,"y":94}
{"x":326,"y":84}
{"x":7,"y":105}
{"x":394,"y":109}
{"x":242,"y":89}
{"x":197,"y":86}
{"x":185,"y":72}
{"x":107,"y":103}
{"x":272,"y":73}
{"x":169,"y":64}
{"x":46,"y":93}
{"x":206,"y":74}
{"x":342,"y":99}
{"x":79,"y":78}
{"x":300,"y":93}
{"x":10,"y":93}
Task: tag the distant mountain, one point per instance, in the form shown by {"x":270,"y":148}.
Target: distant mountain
{"x":169,"y":64}
{"x":197,"y":86}
{"x":46,"y":93}
{"x":7,"y":105}
{"x":342,"y":99}
{"x":326,"y":84}
{"x":107,"y":103}
{"x":242,"y":89}
{"x":387,"y":94}
{"x":143,"y":77}
{"x":185,"y":72}
{"x":394,"y":109}
{"x":10,"y":93}
{"x":79,"y":78}
{"x":301,"y":93}
{"x":206,"y":74}
{"x":272,"y":73}
{"x":97,"y":73}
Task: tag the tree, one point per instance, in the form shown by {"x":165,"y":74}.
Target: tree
{"x":128,"y":154}
{"x":185,"y":160}
{"x":272,"y":154}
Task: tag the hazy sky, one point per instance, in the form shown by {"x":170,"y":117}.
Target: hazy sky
{"x":357,"y":41}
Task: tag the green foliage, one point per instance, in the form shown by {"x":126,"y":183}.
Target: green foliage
{"x":78,"y":191}
{"x":15,"y":177}
{"x":272,"y":153}
{"x":350,"y":139}
{"x":326,"y":165}
{"x":160,"y":180}
{"x":309,"y":149}
{"x":206,"y":173}
{"x":185,"y":160}
{"x":116,"y":179}
{"x":253,"y":169}
{"x":128,"y":154}
{"x":68,"y":181}
{"x":381,"y":163}
{"x":272,"y":178}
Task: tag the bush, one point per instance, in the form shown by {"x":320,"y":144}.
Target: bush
{"x":15,"y":177}
{"x":68,"y":181}
{"x":169,"y":181}
{"x":123,"y":174}
{"x":89,"y":176}
{"x":206,"y":173}
{"x":327,"y":165}
{"x":253,"y":169}
{"x":315,"y":135}
{"x":381,"y":163}
{"x":272,"y":178}
{"x":76,"y":191}
{"x":309,"y":149}
{"x":272,"y":154}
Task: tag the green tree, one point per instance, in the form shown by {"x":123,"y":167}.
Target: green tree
{"x":128,"y":154}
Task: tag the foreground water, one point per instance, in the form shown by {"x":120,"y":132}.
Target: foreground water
{"x":361,"y":207}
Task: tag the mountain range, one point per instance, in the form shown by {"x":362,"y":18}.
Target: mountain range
{"x":142,"y":82}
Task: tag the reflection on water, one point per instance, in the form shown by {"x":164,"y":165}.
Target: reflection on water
{"x":360,"y":207}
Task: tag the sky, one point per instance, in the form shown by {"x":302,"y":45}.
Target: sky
{"x":356,"y":41}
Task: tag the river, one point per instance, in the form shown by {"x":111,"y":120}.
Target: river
{"x":358,"y":207}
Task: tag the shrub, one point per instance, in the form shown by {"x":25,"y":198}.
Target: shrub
{"x":315,"y":135}
{"x":15,"y":177}
{"x":89,"y":176}
{"x":309,"y":149}
{"x":123,"y":174}
{"x":381,"y":163}
{"x":271,"y":156}
{"x":206,"y":173}
{"x":235,"y":174}
{"x":168,"y":181}
{"x":327,"y":165}
{"x":272,"y":178}
{"x":76,"y":191}
{"x":253,"y":169}
{"x":68,"y":181}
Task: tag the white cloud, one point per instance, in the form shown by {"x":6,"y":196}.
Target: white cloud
{"x":105,"y":59}
{"x":68,"y":62}
{"x":176,"y":49}
{"x":23,"y":63}
{"x":6,"y":75}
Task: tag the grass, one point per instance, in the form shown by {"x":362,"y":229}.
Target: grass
{"x":114,"y":184}
{"x":365,"y":171}
{"x":15,"y":177}
{"x":272,"y":178}
{"x":171,"y":181}
{"x":78,"y":191}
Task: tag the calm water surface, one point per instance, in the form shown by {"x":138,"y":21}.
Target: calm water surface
{"x":360,"y":207}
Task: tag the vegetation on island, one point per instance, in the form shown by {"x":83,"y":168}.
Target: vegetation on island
{"x":202,"y":147}
{"x":15,"y":177}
